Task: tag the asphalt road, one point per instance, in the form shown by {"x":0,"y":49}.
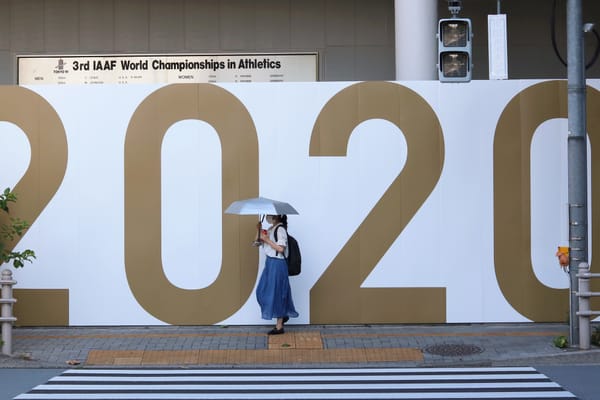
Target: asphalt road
{"x":17,"y":381}
{"x":581,"y":380}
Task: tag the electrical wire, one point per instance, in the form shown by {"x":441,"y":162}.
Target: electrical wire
{"x":553,"y":33}
{"x":597,"y":52}
{"x":555,"y":47}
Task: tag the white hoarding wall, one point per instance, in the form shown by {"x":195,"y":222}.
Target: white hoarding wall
{"x":449,"y":244}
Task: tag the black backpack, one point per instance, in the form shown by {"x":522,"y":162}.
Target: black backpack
{"x":294,"y":258}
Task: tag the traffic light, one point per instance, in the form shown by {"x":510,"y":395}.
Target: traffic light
{"x":454,"y":50}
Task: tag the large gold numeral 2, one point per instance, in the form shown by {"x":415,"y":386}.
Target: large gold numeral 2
{"x":48,"y":142}
{"x":44,"y":175}
{"x":337,"y":296}
{"x":512,"y":198}
{"x":143,"y":263}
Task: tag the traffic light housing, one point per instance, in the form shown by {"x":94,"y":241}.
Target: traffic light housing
{"x":454,"y":50}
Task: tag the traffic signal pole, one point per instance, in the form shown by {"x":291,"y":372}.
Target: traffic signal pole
{"x":577,"y":159}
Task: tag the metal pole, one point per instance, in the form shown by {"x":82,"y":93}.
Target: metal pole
{"x":577,"y":158}
{"x":6,"y":304}
{"x":584,"y":306}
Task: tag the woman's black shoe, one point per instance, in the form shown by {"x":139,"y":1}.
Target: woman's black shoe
{"x":286,"y":319}
{"x":276,"y":331}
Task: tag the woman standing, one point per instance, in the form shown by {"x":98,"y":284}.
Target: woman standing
{"x":273,"y":292}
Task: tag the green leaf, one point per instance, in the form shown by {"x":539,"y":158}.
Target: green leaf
{"x":10,"y":231}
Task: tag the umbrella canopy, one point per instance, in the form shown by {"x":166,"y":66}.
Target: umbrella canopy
{"x":260,"y":206}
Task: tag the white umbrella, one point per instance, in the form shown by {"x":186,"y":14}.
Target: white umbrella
{"x":260,"y":206}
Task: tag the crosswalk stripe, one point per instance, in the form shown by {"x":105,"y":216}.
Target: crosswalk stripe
{"x":299,"y":371}
{"x":309,"y":384}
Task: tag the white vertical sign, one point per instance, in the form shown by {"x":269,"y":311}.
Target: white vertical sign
{"x":497,"y":48}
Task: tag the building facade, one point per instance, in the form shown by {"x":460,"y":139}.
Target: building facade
{"x":355,"y":39}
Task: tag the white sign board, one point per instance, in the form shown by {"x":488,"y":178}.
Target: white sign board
{"x":150,"y":69}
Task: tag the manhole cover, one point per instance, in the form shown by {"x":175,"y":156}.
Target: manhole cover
{"x":453,"y":349}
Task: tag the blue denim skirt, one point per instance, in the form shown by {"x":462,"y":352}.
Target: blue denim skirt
{"x":273,"y":292}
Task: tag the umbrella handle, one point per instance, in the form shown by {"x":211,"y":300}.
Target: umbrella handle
{"x":258,"y":240}
{"x":262,"y":218}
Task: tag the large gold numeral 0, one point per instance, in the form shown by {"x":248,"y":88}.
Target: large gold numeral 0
{"x":337,"y":296}
{"x":512,"y":197}
{"x":48,"y":142}
{"x":239,"y":144}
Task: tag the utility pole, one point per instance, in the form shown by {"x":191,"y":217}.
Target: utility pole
{"x":577,"y":159}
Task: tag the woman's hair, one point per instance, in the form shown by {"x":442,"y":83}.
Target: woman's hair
{"x":283,"y":220}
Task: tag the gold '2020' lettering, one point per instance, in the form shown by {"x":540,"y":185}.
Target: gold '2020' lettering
{"x":48,"y":142}
{"x":337,"y":296}
{"x":143,"y":262}
{"x":512,"y":197}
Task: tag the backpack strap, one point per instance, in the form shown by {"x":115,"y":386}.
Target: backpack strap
{"x":275,"y":234}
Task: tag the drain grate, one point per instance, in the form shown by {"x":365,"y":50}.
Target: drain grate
{"x":453,"y":349}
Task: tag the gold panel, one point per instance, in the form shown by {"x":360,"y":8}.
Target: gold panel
{"x":41,"y":307}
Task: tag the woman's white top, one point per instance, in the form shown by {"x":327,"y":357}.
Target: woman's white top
{"x":281,"y":241}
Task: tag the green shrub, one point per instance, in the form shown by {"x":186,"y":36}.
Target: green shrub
{"x":561,"y":342}
{"x":10,"y":230}
{"x":596,"y":336}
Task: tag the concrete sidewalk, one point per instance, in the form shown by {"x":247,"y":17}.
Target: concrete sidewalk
{"x":300,"y":346}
